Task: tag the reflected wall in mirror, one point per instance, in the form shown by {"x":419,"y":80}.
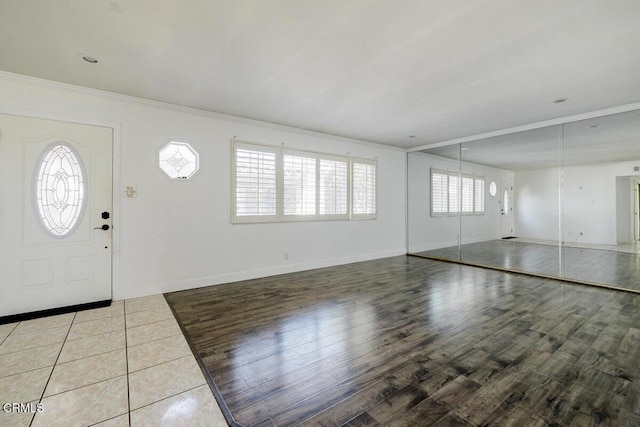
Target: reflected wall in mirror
{"x":566,"y":203}
{"x":601,"y":171}
{"x":434,"y":202}
{"x":527,"y":199}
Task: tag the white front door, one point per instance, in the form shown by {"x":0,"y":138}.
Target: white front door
{"x":55,"y":190}
{"x":506,"y":209}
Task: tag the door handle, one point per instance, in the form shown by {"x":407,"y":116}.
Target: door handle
{"x":104,"y":227}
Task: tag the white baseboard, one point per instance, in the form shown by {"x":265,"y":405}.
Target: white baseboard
{"x":449,"y":243}
{"x":158,"y":288}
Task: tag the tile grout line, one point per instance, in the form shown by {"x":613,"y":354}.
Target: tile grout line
{"x":126,"y":357}
{"x":54,"y":366}
{"x":173,"y":395}
{"x":10,"y":332}
{"x":157,"y":339}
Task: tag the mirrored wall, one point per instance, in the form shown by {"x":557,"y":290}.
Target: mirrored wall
{"x":560,"y":201}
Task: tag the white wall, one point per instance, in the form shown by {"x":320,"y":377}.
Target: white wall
{"x":536,"y":201}
{"x":589,"y":202}
{"x":426,"y":232}
{"x":178,"y":235}
{"x":625,"y":201}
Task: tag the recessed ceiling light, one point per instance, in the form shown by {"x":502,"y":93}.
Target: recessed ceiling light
{"x":90,"y":59}
{"x":560,"y":100}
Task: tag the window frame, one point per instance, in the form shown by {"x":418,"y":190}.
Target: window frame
{"x":460,"y":177}
{"x":317,"y":216}
{"x":368,"y":215}
{"x":280,"y":152}
{"x":188,"y":146}
{"x":243,"y":219}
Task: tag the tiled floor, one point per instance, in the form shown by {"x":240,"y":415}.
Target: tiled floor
{"x":127,"y":364}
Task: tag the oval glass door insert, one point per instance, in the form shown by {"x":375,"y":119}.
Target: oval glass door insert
{"x":59,"y":189}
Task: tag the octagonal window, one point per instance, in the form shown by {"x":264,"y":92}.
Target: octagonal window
{"x":178,"y":160}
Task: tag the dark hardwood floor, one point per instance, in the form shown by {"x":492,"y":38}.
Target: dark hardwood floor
{"x":406,"y":341}
{"x":617,"y":269}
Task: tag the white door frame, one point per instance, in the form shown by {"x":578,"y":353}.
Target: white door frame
{"x":116,"y":290}
{"x":506,"y":186}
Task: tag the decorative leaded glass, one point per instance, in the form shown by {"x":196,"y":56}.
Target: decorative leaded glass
{"x":178,"y":160}
{"x":59,"y":189}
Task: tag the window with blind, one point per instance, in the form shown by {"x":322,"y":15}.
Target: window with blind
{"x":439,"y":193}
{"x":333,"y":189}
{"x":364,"y":189}
{"x":299,"y":181}
{"x":255,"y":180}
{"x":272,"y":184}
{"x":478,"y":196}
{"x":452,"y":194}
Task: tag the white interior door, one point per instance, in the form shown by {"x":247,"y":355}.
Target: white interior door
{"x":506,"y":209}
{"x":55,"y":185}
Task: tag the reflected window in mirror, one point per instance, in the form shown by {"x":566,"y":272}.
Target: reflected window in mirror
{"x":451,"y":195}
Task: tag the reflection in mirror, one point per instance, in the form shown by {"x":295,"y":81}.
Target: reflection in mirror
{"x":434,"y":202}
{"x":601,"y":176}
{"x":518,"y":229}
{"x":560,"y":201}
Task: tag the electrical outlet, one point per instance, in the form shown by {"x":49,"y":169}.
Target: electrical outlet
{"x":286,"y":256}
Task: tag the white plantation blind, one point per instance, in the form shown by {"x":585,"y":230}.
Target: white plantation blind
{"x":255,"y":179}
{"x":451,"y":195}
{"x":439,"y":193}
{"x":333,"y":187}
{"x":467,"y":194}
{"x":275,"y":184}
{"x":478,"y":205}
{"x":299,"y":182}
{"x":364,"y":189}
{"x":454,"y":194}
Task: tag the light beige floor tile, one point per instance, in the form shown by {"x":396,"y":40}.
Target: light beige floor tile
{"x":115,"y":309}
{"x":145,"y":303}
{"x":17,"y":419}
{"x":148,"y":316}
{"x":28,"y":360}
{"x":157,"y":352}
{"x":19,"y":342}
{"x":44,"y":323}
{"x":152,"y":331}
{"x":195,"y":408}
{"x":161,"y":381}
{"x":6,"y":329}
{"x":82,"y":372}
{"x":85,"y":406}
{"x":24,"y":387}
{"x":121,"y":421}
{"x":97,"y":344}
{"x":95,"y":327}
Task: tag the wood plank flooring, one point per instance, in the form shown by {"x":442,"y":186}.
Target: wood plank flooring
{"x":618,"y":269}
{"x":406,"y":341}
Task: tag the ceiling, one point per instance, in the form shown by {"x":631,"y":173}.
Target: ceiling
{"x":404,"y":73}
{"x":606,"y":139}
